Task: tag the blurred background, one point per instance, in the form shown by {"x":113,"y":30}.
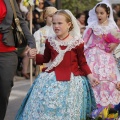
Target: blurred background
{"x":80,"y":9}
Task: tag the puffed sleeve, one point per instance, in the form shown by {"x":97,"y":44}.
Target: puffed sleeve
{"x":87,"y":35}
{"x":82,"y":60}
{"x":40,"y":59}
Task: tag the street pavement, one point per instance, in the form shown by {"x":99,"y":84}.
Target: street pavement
{"x":19,"y":91}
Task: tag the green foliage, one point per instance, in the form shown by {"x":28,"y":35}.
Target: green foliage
{"x":77,"y":6}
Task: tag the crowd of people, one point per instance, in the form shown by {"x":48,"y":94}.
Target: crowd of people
{"x":38,"y":22}
{"x":79,"y":76}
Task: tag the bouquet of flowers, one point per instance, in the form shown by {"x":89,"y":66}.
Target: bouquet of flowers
{"x":104,"y":113}
{"x":112,"y":37}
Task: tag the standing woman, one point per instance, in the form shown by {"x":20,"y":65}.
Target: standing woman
{"x":8,"y":55}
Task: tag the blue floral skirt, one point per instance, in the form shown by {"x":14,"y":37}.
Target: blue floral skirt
{"x":49,"y":99}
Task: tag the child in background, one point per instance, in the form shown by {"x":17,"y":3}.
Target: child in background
{"x":63,"y":91}
{"x":102,"y":62}
{"x":43,"y":33}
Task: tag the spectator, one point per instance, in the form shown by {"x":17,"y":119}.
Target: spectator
{"x":81,"y":18}
{"x":81,"y":21}
{"x":116,"y":9}
{"x":36,"y":15}
{"x":43,"y":33}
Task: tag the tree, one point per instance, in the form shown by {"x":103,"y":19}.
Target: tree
{"x":77,"y":6}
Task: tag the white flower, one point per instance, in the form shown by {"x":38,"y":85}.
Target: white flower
{"x":31,"y":2}
{"x":28,"y":2}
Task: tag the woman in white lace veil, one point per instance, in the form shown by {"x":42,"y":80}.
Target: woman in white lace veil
{"x":102,"y":62}
{"x":62,"y":91}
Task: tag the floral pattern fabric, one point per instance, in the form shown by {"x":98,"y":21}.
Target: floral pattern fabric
{"x":49,"y":99}
{"x":104,"y":68}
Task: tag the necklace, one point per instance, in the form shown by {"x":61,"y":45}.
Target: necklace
{"x":104,"y":22}
{"x":64,"y":37}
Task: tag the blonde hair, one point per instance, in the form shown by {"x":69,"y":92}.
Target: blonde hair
{"x":47,"y":12}
{"x":67,"y":16}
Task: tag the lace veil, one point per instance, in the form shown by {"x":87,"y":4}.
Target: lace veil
{"x":92,"y":15}
{"x":76,"y":30}
{"x":98,"y":29}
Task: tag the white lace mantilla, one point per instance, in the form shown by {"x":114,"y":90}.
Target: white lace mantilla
{"x":99,"y":29}
{"x":56,"y":46}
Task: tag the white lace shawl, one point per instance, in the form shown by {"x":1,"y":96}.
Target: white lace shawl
{"x":93,"y":20}
{"x":56,"y":46}
{"x":98,"y":30}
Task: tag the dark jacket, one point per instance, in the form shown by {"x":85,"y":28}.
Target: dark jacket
{"x":6,"y":29}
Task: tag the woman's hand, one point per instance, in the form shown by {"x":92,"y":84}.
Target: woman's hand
{"x":112,"y":46}
{"x":118,"y":85}
{"x":93,"y":81}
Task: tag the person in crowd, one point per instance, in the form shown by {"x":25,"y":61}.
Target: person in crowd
{"x":101,"y":61}
{"x":36,"y":15}
{"x":43,"y":33}
{"x":8,"y":54}
{"x":116,"y":10}
{"x":62,"y":91}
{"x":82,"y":30}
{"x":81,"y":17}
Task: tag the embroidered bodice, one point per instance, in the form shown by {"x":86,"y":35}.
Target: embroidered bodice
{"x":66,"y":58}
{"x":56,"y":45}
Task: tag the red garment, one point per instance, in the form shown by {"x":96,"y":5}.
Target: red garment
{"x":74,"y":62}
{"x":3,"y":11}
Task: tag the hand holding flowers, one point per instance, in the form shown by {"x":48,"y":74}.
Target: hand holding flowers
{"x":112,"y":39}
